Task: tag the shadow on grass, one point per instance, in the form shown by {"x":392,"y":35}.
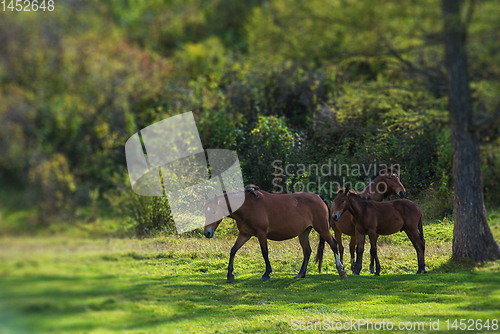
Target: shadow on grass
{"x":59,"y":303}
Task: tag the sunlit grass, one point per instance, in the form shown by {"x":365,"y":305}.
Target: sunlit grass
{"x":177,"y":284}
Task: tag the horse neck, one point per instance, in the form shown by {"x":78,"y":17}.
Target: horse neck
{"x":242,"y":211}
{"x":356,"y":205}
{"x":370,"y":191}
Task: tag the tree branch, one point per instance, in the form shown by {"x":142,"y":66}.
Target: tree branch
{"x":485,"y":121}
{"x":438,"y":75}
{"x":409,"y":89}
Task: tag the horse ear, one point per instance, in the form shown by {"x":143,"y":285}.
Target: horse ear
{"x":347,"y":188}
{"x":393,"y":170}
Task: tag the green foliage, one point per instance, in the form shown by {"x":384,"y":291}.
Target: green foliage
{"x":271,"y":143}
{"x":206,"y":58}
{"x":301,"y":82}
{"x":147,"y":215}
{"x":490,"y":157}
{"x":55,"y":185}
{"x":318,"y":31}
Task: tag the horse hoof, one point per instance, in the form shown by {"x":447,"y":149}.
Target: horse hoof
{"x":264,"y":278}
{"x":344,"y":276}
{"x":230,"y":280}
{"x":299,"y":276}
{"x":376,"y":274}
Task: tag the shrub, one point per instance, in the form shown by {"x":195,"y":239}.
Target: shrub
{"x":148,"y":215}
{"x":271,"y":140}
{"x":55,"y":188}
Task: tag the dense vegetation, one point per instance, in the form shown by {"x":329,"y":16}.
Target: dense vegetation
{"x":358,"y":82}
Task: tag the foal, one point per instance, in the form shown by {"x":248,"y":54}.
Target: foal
{"x":373,"y":218}
{"x":381,"y":186}
{"x":276,"y":217}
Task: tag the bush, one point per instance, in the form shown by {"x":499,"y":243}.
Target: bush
{"x":269,"y":142}
{"x":55,"y":189}
{"x":148,"y":215}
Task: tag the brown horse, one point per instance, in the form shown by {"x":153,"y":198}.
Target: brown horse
{"x":382,"y":186}
{"x":372,"y":218}
{"x":276,"y":217}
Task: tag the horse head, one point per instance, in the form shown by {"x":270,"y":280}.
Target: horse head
{"x":214,"y":212}
{"x":394,"y":187}
{"x":217,"y":207}
{"x":340,"y":203}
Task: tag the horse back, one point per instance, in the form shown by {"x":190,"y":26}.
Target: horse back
{"x":407,"y":208}
{"x":285,"y":216}
{"x":393,"y":216}
{"x":303,"y":204}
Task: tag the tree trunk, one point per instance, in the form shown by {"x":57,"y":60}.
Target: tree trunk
{"x":472,"y":237}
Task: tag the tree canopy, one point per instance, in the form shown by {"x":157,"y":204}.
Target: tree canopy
{"x":356,"y":81}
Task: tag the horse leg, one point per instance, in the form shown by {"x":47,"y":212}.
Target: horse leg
{"x":240,"y":241}
{"x":359,"y":253}
{"x":333,"y":245}
{"x":418,"y":242}
{"x":338,"y":237}
{"x":352,"y":248}
{"x":372,"y":260}
{"x":306,"y":249}
{"x":265,"y":254}
{"x":373,"y":252}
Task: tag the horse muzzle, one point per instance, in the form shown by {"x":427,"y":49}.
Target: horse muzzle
{"x":209,"y":232}
{"x":336,"y":216}
{"x":401,"y":194}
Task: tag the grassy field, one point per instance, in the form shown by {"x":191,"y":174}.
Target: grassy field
{"x":177,"y":285}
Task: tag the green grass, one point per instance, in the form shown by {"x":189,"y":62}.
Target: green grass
{"x":177,"y":285}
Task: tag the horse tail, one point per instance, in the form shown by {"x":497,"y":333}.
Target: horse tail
{"x":321,"y":243}
{"x":319,"y":254}
{"x":328,"y":207}
{"x":420,"y":228}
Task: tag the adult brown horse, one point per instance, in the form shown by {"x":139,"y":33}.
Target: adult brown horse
{"x":276,"y":217}
{"x":372,"y":218}
{"x":382,"y":186}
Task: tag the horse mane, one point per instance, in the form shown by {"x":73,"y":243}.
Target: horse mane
{"x":388,"y":170}
{"x":251,"y":189}
{"x":341,"y":191}
{"x":392,"y":170}
{"x":352,"y":192}
{"x":355,"y":195}
{"x":359,"y":196}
